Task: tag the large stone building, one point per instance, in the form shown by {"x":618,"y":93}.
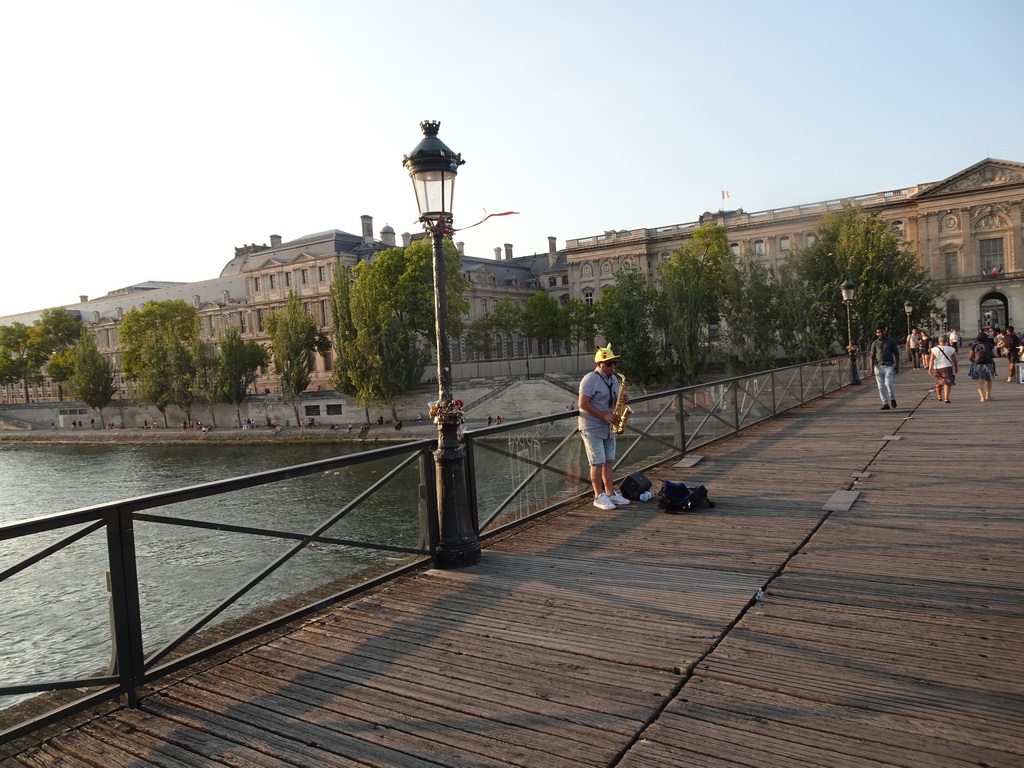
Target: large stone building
{"x":966,"y":230}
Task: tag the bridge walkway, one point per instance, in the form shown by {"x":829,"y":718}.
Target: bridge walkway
{"x":889,"y":548}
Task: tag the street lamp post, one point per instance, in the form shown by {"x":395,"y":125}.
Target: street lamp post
{"x":849,"y":289}
{"x":433,"y":167}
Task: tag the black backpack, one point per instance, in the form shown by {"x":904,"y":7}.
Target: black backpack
{"x":981,"y":354}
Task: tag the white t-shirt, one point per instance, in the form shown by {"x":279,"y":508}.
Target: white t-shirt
{"x":940,"y":360}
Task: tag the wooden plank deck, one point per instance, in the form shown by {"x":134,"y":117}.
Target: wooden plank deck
{"x":889,"y":634}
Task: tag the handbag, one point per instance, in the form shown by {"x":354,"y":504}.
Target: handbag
{"x":676,"y":498}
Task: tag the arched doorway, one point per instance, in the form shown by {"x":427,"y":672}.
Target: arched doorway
{"x":993,"y":311}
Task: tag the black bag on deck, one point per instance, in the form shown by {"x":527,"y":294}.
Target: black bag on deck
{"x":676,"y":498}
{"x":634,"y":485}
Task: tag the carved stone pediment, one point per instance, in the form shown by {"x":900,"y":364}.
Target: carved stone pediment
{"x":987,"y":174}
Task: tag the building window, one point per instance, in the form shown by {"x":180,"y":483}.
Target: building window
{"x":328,"y":361}
{"x":735,"y":248}
{"x":325,"y":311}
{"x":552,"y":282}
{"x":259,"y":320}
{"x":483,"y":306}
{"x":320,"y":272}
{"x":589,"y":298}
{"x":287,"y":279}
{"x":241,"y":322}
{"x":991,"y":251}
{"x":898,"y":226}
{"x":312,"y":410}
{"x":784,"y":244}
{"x":256,"y":284}
{"x":949,"y":258}
{"x":304,"y":276}
{"x":810,"y":240}
{"x":334,"y":409}
{"x":759,"y":247}
{"x":272,"y":281}
{"x":565,"y":279}
{"x":953,"y":313}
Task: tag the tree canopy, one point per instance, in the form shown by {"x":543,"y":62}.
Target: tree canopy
{"x":294,"y":337}
{"x":384,"y":320}
{"x":625,"y":316}
{"x":156,"y":343}
{"x":862,"y":247}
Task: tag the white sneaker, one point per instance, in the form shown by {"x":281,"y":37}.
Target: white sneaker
{"x":618,"y":499}
{"x":603,"y":502}
{"x":1010,"y":378}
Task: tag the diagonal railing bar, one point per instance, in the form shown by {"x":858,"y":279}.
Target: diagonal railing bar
{"x":60,"y":685}
{"x":750,"y":401}
{"x":788,"y":385}
{"x":646,"y":433}
{"x":55,"y":547}
{"x":275,"y":534}
{"x":538,"y":466}
{"x":308,"y":539}
{"x":708,"y":415}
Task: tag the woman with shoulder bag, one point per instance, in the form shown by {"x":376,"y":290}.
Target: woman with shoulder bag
{"x":943,"y":367}
{"x":983,"y":366}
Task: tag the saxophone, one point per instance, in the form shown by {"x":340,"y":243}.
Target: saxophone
{"x":621,"y":410}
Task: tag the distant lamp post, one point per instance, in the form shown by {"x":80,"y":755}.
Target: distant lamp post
{"x":433,"y":167}
{"x":909,"y":309}
{"x":849,"y":291}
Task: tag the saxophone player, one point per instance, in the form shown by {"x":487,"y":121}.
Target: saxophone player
{"x":598,"y":393}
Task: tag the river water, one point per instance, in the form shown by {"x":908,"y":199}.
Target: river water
{"x":55,"y":615}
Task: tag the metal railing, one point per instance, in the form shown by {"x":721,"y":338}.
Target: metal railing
{"x":523,"y":469}
{"x":133,"y":664}
{"x":516,"y":472}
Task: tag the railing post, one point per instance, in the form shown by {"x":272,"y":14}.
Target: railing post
{"x":681,"y":423}
{"x":800,"y":370}
{"x":124,"y":594}
{"x":735,"y":407}
{"x":775,"y":403}
{"x":474,"y":511}
{"x":429,"y":528}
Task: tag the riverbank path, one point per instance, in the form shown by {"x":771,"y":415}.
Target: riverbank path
{"x":854,"y":599}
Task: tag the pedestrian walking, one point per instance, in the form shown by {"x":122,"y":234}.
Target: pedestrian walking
{"x":885,"y":358}
{"x":983,"y":365}
{"x":943,"y":368}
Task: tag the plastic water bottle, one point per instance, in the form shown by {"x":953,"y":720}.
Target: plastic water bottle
{"x":646,"y":496}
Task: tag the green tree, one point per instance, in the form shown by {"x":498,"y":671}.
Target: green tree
{"x":543,"y":321}
{"x":750,"y":315}
{"x":23,"y":349}
{"x":237,"y":364}
{"x":294,"y":337}
{"x":156,"y":343}
{"x":61,"y":331}
{"x":693,"y":279}
{"x":507,"y":320}
{"x":625,"y":316}
{"x":203,"y":377}
{"x":384,"y":320}
{"x":479,"y":336}
{"x":580,"y":325}
{"x":866,"y":249}
{"x":798,"y":339}
{"x":92,"y":375}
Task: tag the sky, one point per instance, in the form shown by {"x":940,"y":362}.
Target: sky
{"x":146,"y":141}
